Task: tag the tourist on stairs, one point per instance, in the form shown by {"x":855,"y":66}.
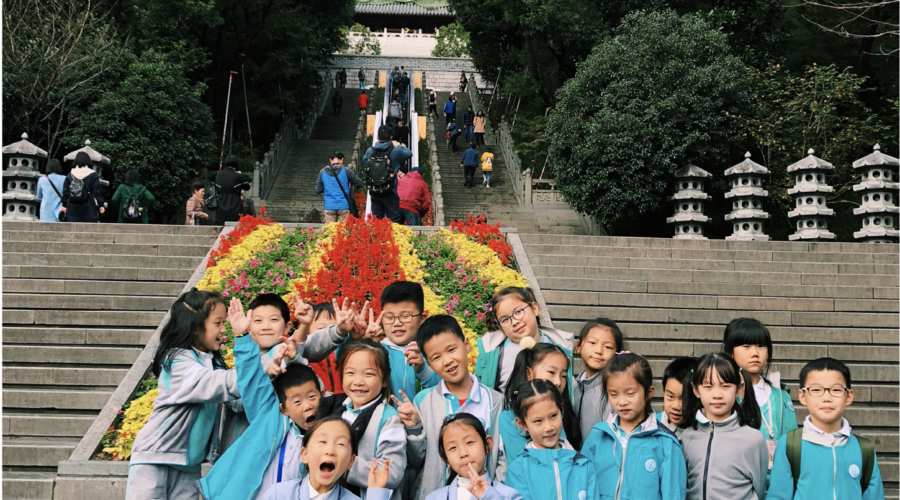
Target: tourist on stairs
{"x":230,"y":182}
{"x":49,"y":191}
{"x":469,"y":162}
{"x":132,"y":200}
{"x":387,"y":204}
{"x":469,"y":124}
{"x":334,"y":182}
{"x":415,"y":199}
{"x":81,"y":197}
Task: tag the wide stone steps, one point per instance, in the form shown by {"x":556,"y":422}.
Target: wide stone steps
{"x":80,"y":301}
{"x":674,"y":297}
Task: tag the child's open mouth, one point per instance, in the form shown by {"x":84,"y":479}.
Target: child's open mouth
{"x":326,"y":469}
{"x":310,"y":420}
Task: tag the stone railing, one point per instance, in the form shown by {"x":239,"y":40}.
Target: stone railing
{"x":266,"y":171}
{"x":437,"y":191}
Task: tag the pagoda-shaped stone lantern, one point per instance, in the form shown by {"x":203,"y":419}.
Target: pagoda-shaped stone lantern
{"x":20,"y":175}
{"x":810,"y":212}
{"x":98,"y":159}
{"x":747,"y":214}
{"x":879,"y":188}
{"x":688,"y":201}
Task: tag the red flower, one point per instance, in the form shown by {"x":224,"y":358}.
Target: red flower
{"x":245,"y":226}
{"x":479,"y":231}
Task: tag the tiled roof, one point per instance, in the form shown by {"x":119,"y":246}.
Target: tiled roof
{"x":403,"y":9}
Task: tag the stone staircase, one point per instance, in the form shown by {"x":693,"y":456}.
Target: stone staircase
{"x":674,"y":297}
{"x":80,"y":301}
{"x":497,"y":203}
{"x":293,"y":195}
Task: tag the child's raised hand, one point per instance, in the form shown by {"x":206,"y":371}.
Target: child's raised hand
{"x":240,"y":323}
{"x":406,"y":411}
{"x":344,"y":316}
{"x":274,"y":369}
{"x":288,"y":348}
{"x":479,"y":484}
{"x":414,"y":356}
{"x":360,"y":331}
{"x":379,"y":478}
{"x":303,"y":312}
{"x":373,"y":329}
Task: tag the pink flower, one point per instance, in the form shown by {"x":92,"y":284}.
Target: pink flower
{"x":225,"y":294}
{"x":466,"y":312}
{"x":464,"y":280}
{"x":269,"y":274}
{"x":480,"y":315}
{"x":224,"y":339}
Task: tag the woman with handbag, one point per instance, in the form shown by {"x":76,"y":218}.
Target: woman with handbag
{"x":49,"y":191}
{"x":81,"y":197}
{"x":194,"y":207}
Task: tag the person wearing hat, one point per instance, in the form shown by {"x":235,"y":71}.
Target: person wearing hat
{"x":49,"y":191}
{"x":230,"y":182}
{"x":334,"y":182}
{"x":81,"y":197}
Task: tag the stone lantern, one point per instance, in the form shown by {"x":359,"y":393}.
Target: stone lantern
{"x":20,"y":175}
{"x":810,"y":214}
{"x":98,"y":159}
{"x":688,"y":201}
{"x":747,"y":214}
{"x":879,"y":188}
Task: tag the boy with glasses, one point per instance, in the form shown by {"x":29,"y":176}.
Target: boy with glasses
{"x":835,"y":464}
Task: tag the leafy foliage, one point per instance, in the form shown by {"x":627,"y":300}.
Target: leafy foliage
{"x":452,"y":41}
{"x":152,"y":121}
{"x":643,"y":104}
{"x":366,"y":44}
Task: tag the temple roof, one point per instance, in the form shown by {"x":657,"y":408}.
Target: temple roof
{"x":411,"y":8}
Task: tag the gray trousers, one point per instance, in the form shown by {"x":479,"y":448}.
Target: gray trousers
{"x":161,"y":482}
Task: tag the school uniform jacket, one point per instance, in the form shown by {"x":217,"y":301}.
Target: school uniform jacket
{"x":434,"y":405}
{"x":560,"y":474}
{"x":487,"y":366}
{"x":590,"y":404}
{"x":645,"y":464}
{"x":185,"y":411}
{"x":725,"y":461}
{"x":515,"y":439}
{"x":298,"y":489}
{"x":497,"y":491}
{"x":238,"y":473}
{"x":404,"y":377}
{"x":830,"y":468}
{"x":778,"y":411}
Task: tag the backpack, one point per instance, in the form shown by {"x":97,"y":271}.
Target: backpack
{"x":395,"y":110}
{"x":131,"y":210}
{"x":396,"y":81}
{"x":489,"y":162}
{"x":379,"y":176}
{"x":77,"y":191}
{"x":211,"y":198}
{"x":795,"y":444}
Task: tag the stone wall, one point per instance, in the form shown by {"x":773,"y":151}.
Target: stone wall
{"x":449,"y":64}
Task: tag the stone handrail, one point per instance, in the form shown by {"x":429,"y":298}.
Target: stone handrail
{"x":266,"y":172}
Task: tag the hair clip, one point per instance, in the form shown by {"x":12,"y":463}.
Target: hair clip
{"x":526,"y":343}
{"x":449,"y":418}
{"x":624,"y":352}
{"x":189,"y":308}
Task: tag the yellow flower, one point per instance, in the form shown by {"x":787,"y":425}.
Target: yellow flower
{"x":254,"y":243}
{"x":136,"y":416}
{"x":484,"y":261}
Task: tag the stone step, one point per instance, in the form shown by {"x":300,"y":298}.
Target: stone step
{"x":108,"y":238}
{"x":844,"y":336}
{"x":45,"y":424}
{"x":718,"y":302}
{"x":79,"y":227}
{"x":742,"y":289}
{"x":105,"y":248}
{"x":31,"y":485}
{"x":82,"y":272}
{"x":55,"y":399}
{"x":87,"y":355}
{"x":44,"y":375}
{"x":723,"y":317}
{"x":144,"y":319}
{"x":96,"y":302}
{"x":563,"y":251}
{"x":707,"y":276}
{"x":90,"y":335}
{"x":770,"y":246}
{"x":715,"y":265}
{"x":37,"y":451}
{"x":89,"y":287}
{"x":108,"y":260}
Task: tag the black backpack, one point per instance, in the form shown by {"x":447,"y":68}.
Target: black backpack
{"x":77,"y":192}
{"x":396,"y":81}
{"x":131,"y":210}
{"x":211,"y":198}
{"x":379,"y":176}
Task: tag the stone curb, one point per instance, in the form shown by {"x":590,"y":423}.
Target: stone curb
{"x":528,"y":272}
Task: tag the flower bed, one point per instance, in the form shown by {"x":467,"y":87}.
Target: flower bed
{"x":459,"y":269}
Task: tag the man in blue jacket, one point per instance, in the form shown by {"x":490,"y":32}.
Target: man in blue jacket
{"x":469,"y":124}
{"x":334,"y":182}
{"x":469,"y":163}
{"x":450,"y":110}
{"x":387,"y":205}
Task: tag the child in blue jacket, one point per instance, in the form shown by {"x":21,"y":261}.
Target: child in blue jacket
{"x":548,"y":468}
{"x":831,"y":462}
{"x":635,"y":457}
{"x":280,"y":412}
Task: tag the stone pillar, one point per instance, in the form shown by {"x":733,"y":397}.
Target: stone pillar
{"x":746,"y":194}
{"x":879,"y":188}
{"x":810,"y":214}
{"x":21,"y":171}
{"x":688,"y":201}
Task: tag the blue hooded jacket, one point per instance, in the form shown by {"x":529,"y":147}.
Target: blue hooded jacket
{"x":514,"y":438}
{"x":238,"y":473}
{"x":450,"y":107}
{"x":651,"y":467}
{"x":560,"y":474}
{"x":404,"y":377}
{"x":497,"y":491}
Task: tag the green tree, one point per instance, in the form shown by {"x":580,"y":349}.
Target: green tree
{"x":154,"y":121}
{"x":365,"y":44}
{"x":452,"y":41}
{"x":645,"y":102}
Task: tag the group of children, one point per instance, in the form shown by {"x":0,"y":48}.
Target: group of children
{"x":350,"y":405}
